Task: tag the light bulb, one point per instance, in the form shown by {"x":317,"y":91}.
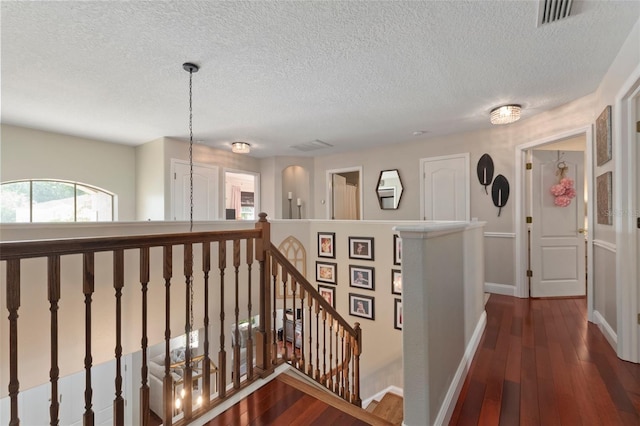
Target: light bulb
{"x":178,"y":403}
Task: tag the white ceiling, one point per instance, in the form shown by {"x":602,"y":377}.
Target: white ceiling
{"x":277,"y":74}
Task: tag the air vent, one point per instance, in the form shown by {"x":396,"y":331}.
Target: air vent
{"x":553,"y":10}
{"x":312,"y":146}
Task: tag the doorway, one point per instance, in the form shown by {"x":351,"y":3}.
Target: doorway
{"x":344,"y":194}
{"x":205,"y":191}
{"x":241,"y":195}
{"x":524,"y":201}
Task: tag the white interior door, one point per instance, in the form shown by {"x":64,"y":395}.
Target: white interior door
{"x":205,"y":191}
{"x":557,"y":233}
{"x":446,"y":188}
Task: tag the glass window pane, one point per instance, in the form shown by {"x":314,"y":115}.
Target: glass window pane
{"x":14,"y":202}
{"x":93,"y":205}
{"x":53,"y":201}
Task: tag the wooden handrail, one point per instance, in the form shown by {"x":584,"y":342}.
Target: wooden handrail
{"x":66,"y":246}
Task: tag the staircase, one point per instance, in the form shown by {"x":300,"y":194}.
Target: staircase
{"x":388,"y":408}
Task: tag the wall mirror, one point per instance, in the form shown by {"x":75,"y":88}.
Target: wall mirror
{"x":389,"y":189}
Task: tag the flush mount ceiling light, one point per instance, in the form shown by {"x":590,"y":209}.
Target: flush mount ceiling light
{"x":505,"y":114}
{"x":240,"y":147}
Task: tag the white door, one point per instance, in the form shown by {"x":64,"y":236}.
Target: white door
{"x":205,"y":191}
{"x":557,"y":232}
{"x":446,"y":188}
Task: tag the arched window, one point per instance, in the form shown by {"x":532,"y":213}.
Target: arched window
{"x":48,"y":200}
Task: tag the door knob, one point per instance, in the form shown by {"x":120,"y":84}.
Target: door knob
{"x":581,"y":231}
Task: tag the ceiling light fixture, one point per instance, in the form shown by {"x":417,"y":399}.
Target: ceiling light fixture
{"x":241,"y":147}
{"x":505,"y":114}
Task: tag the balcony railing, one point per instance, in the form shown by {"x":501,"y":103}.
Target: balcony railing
{"x":314,"y":338}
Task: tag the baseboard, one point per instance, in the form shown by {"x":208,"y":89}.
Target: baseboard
{"x":377,"y":397}
{"x":450,"y":400}
{"x":504,"y":289}
{"x":606,"y":329}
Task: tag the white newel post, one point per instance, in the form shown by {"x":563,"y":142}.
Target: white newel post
{"x":443,"y":312}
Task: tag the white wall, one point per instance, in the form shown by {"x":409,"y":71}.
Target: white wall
{"x":33,"y":154}
{"x":150,"y":182}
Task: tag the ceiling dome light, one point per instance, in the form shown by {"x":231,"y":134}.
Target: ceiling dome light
{"x":240,"y":147}
{"x":505,"y":114}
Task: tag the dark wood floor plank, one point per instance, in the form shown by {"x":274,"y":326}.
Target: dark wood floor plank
{"x":558,"y":369}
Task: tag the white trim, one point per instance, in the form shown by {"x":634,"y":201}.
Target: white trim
{"x":605,"y":245}
{"x":466,"y":157}
{"x":626,"y":204}
{"x":606,"y":329}
{"x":450,"y":399}
{"x":522,"y":284}
{"x":329,"y":184}
{"x":504,"y":289}
{"x":499,"y":234}
{"x":378,"y":396}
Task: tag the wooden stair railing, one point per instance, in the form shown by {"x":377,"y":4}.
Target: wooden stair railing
{"x":321,"y":326}
{"x":165,"y":247}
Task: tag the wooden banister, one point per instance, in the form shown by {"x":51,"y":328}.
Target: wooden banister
{"x":260,"y":345}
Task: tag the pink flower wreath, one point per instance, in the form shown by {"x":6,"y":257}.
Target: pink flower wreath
{"x":563,"y":191}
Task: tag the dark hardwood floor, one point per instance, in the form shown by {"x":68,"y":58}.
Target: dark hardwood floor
{"x":278,"y":403}
{"x":541,"y":363}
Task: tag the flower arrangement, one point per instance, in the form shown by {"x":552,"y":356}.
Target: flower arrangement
{"x":563,"y":191}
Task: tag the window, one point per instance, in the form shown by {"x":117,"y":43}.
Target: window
{"x":54,"y":201}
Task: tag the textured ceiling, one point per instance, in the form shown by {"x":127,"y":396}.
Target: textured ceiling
{"x":277,"y":74}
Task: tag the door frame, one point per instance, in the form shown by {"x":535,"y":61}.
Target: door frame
{"x":627,"y":203}
{"x":329,"y":181}
{"x":256,"y":190}
{"x":467,"y":162}
{"x":522,"y":284}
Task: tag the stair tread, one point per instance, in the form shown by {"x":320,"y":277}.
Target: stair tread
{"x":390,"y":408}
{"x":372,"y":405}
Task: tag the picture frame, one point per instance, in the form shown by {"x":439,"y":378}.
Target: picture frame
{"x":362,"y":306}
{"x":361,"y":248}
{"x":326,"y":272}
{"x":362,"y":277}
{"x":397,"y":314}
{"x":604,"y":191}
{"x":326,"y":244}
{"x":397,"y":250}
{"x":603,"y":136}
{"x":396,"y":281}
{"x":328,"y":293}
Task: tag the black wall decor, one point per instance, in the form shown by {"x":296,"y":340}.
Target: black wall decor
{"x":485,"y":171}
{"x":500,"y":192}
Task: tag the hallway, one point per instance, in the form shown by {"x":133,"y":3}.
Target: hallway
{"x":541,"y":363}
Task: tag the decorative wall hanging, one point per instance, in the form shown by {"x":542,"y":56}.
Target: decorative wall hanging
{"x":500,"y":192}
{"x":326,"y":245}
{"x":361,"y":248}
{"x":563,"y":191}
{"x":603,"y":198}
{"x":362,"y":277}
{"x":485,"y":171}
{"x":603,"y":136}
{"x":362,"y":306}
{"x":397,"y":314}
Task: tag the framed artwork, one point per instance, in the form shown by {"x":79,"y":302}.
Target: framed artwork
{"x":362,"y":277}
{"x":326,"y":244}
{"x":326,"y":272}
{"x":396,"y":281}
{"x":604,"y":190}
{"x":361,"y":248}
{"x":361,"y":306}
{"x":603,"y":136}
{"x":397,"y":314}
{"x":328,"y":293}
{"x":397,"y":249}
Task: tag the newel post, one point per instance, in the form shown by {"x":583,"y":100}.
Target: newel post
{"x":263,"y":356}
{"x":356,"y":366}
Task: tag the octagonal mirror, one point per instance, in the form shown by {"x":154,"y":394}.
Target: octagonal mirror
{"x":389,"y":189}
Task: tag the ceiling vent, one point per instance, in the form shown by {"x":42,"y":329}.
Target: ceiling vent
{"x":312,"y":146}
{"x":553,"y":10}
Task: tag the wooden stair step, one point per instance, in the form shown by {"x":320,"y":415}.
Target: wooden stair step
{"x":390,"y":408}
{"x":372,"y":405}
